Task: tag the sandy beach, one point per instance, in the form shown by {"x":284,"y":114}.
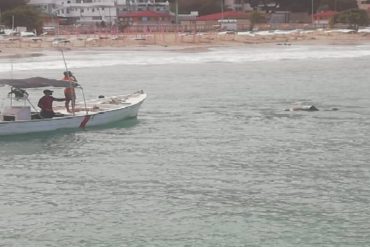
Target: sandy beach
{"x":187,"y":42}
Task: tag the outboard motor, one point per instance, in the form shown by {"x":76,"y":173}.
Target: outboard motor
{"x":19,"y":93}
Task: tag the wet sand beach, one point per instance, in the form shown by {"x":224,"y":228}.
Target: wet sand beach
{"x":186,"y":42}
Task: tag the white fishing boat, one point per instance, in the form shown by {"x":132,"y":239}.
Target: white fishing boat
{"x":21,"y":117}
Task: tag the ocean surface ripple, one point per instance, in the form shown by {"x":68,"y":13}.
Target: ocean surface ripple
{"x":212,"y":159}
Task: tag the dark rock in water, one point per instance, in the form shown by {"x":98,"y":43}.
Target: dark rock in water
{"x":101,"y":97}
{"x":309,"y":108}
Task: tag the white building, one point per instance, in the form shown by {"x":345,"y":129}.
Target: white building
{"x":238,"y":5}
{"x":142,"y":5}
{"x":46,"y":6}
{"x":364,"y":4}
{"x":96,"y":11}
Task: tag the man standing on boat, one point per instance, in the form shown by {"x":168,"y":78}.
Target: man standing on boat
{"x":46,"y":104}
{"x":69,"y":92}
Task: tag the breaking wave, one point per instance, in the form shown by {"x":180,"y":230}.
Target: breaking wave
{"x":101,"y":58}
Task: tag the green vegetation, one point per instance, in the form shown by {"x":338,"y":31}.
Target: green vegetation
{"x":212,"y":6}
{"x":24,"y":16}
{"x":204,"y":7}
{"x":353,"y":17}
{"x":255,"y":17}
{"x":337,"y":5}
{"x":306,"y":5}
{"x":10,"y":4}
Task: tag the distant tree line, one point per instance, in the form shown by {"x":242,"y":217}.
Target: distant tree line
{"x":212,"y":6}
{"x":306,"y":5}
{"x":350,"y":14}
{"x":9,"y":4}
{"x":354,"y":18}
{"x":18,"y":13}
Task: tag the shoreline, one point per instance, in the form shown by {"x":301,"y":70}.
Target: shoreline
{"x":200,"y":42}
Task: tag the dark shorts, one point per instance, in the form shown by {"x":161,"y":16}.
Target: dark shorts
{"x":47,"y":114}
{"x":69,"y":98}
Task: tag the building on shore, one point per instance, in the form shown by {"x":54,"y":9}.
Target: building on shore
{"x":224,"y":21}
{"x":96,"y":11}
{"x":237,"y":5}
{"x":364,"y":4}
{"x":146,"y":17}
{"x":125,"y":6}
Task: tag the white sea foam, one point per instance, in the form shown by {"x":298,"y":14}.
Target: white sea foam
{"x":364,"y":30}
{"x":272,"y":32}
{"x":214,"y":55}
{"x":340,"y":31}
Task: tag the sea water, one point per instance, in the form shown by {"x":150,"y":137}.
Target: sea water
{"x":212,"y":159}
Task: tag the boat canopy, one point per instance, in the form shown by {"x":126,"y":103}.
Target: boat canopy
{"x":35,"y":82}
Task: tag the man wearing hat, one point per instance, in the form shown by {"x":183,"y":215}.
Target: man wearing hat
{"x":46,"y":104}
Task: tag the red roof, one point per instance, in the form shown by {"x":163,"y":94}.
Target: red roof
{"x":145,"y":14}
{"x":324,"y":14}
{"x":224,"y":15}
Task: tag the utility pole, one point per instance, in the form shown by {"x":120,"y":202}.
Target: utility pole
{"x":222,"y":9}
{"x":177,"y":11}
{"x":117,"y":14}
{"x":312,"y":21}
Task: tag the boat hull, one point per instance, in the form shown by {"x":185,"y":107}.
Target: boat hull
{"x":119,"y":112}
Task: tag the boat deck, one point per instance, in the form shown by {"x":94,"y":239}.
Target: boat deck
{"x":91,"y":107}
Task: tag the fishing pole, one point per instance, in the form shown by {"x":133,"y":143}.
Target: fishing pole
{"x":70,"y":82}
{"x":64,"y":59}
{"x":12,"y":77}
